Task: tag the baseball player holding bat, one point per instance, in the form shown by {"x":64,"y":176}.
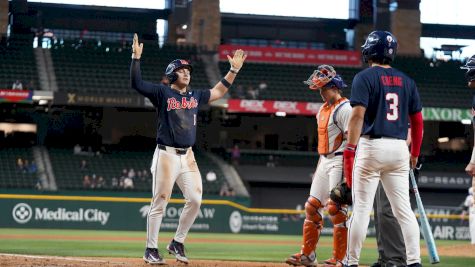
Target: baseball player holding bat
{"x":173,"y":160}
{"x":332,"y":120}
{"x":383,"y":100}
{"x":470,"y":169}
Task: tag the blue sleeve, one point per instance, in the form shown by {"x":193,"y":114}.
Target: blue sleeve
{"x":150,"y":90}
{"x":359,"y":92}
{"x":204,"y":96}
{"x":415,"y":101}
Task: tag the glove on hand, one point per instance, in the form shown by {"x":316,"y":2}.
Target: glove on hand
{"x":341,"y":194}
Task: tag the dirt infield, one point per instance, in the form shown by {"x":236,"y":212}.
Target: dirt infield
{"x":10,"y":260}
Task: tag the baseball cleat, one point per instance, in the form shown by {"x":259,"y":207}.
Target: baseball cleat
{"x":331,"y":262}
{"x":152,"y":256}
{"x":299,"y":259}
{"x":415,"y":265}
{"x":178,"y":250}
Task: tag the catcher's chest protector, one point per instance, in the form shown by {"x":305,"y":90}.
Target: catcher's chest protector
{"x":330,"y":134}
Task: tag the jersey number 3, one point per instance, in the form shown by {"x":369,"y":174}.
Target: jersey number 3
{"x":393,"y":101}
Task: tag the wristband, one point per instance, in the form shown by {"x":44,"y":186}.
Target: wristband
{"x":233,"y":71}
{"x":472,"y":160}
{"x":225,"y":83}
{"x":350,"y":147}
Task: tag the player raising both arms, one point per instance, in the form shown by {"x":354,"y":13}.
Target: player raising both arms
{"x":173,"y":160}
{"x":383,"y":100}
{"x":332,"y":120}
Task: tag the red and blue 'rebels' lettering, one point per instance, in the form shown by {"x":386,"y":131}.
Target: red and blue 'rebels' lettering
{"x":177,"y":112}
{"x":185,"y":104}
{"x":391,"y":80}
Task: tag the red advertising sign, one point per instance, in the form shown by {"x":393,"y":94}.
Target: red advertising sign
{"x":294,"y":55}
{"x":16,"y":96}
{"x":270,"y":106}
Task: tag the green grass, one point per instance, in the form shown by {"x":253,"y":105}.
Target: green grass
{"x":131,"y":244}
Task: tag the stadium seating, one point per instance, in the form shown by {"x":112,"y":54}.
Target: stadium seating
{"x":11,"y":176}
{"x":69,"y":174}
{"x":278,"y":158}
{"x":88,"y":67}
{"x":440,"y":84}
{"x":17,"y":62}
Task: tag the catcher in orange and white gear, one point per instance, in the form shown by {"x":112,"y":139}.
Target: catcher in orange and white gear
{"x":332,"y":121}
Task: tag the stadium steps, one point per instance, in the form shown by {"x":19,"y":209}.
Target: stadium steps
{"x":105,"y":69}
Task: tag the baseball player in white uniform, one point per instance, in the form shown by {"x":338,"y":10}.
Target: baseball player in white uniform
{"x":332,"y":120}
{"x":173,"y":160}
{"x":383,"y":100}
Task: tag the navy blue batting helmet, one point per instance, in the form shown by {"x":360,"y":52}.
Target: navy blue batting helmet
{"x":174,"y":66}
{"x":470,"y":67}
{"x":380,"y":46}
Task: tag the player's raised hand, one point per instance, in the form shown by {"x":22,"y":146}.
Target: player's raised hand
{"x":136,"y":48}
{"x":237,"y":60}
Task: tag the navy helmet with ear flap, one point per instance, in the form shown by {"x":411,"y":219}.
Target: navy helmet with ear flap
{"x":174,"y":66}
{"x":470,"y":67}
{"x":380,"y":46}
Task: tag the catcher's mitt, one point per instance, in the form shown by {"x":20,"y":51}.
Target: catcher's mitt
{"x":341,"y":194}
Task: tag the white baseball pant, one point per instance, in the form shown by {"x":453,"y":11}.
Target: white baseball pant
{"x":167,"y":168}
{"x":386,"y":159}
{"x":328,"y":174}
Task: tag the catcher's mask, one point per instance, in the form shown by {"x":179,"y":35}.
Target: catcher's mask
{"x":320,"y":77}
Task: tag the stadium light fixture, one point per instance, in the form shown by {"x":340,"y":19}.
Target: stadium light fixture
{"x":466,"y":121}
{"x":281,"y":114}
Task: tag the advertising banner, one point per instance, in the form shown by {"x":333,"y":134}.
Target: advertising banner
{"x":16,"y":96}
{"x":446,"y":223}
{"x":447,"y":180}
{"x":215,"y":216}
{"x":270,"y":106}
{"x":98,"y":100}
{"x":446,"y":114}
{"x":294,"y":55}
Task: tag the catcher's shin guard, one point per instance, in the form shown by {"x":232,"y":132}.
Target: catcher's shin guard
{"x":338,"y":216}
{"x":312,"y":225}
{"x":339,"y":245}
{"x":339,"y":241}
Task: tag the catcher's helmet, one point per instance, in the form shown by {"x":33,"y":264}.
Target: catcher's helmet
{"x":470,"y":67}
{"x":380,"y":46}
{"x":324,"y":76}
{"x":174,"y":66}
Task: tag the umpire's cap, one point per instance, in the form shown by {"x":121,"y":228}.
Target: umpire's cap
{"x":176,"y":65}
{"x":380,"y":46}
{"x":470,"y":67}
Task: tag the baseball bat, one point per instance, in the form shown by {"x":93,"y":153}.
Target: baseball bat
{"x":425,"y":227}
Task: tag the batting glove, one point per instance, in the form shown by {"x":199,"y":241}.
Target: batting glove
{"x":348,"y":160}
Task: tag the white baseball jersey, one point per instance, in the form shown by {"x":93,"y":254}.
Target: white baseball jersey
{"x":329,"y":170}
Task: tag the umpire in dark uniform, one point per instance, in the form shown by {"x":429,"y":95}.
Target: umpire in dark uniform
{"x":391,"y":249}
